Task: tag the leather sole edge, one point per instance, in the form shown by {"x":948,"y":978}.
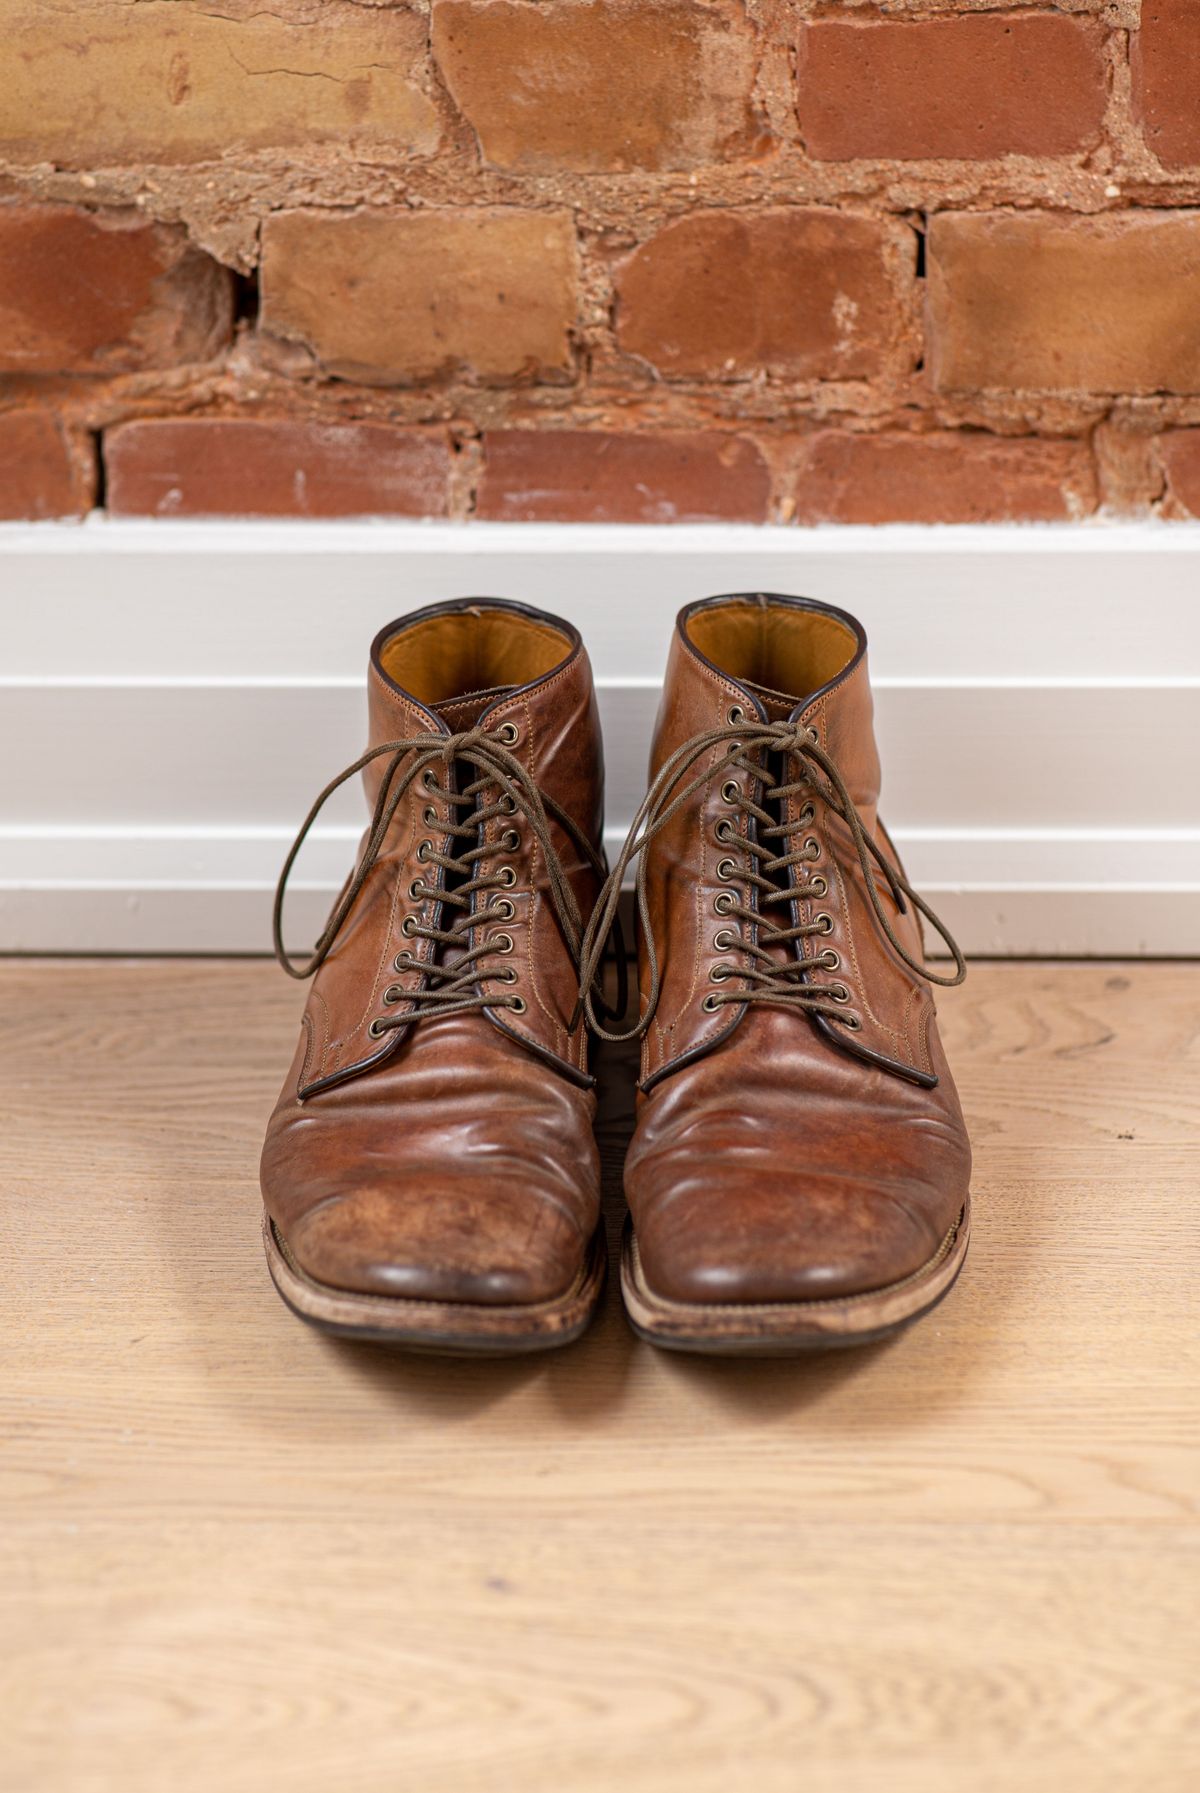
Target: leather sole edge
{"x":443,"y":1328}
{"x":783,"y":1328}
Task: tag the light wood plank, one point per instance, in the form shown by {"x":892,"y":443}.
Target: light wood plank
{"x":235,"y":1555}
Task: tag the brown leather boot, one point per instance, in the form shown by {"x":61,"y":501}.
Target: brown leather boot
{"x":799,"y":1172}
{"x":430,"y":1177}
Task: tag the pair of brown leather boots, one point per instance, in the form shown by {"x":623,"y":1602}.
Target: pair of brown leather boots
{"x":799,"y":1171}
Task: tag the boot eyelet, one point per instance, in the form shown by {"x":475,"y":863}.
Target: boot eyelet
{"x":424,"y":848}
{"x":393,"y":993}
{"x":710,"y":1004}
{"x":506,"y":876}
{"x":839,"y":993}
{"x":812,"y":847}
{"x":829,"y":959}
{"x":718,"y":973}
{"x":500,"y":943}
{"x":517,"y":1004}
{"x":723,"y":902}
{"x":807,"y":814}
{"x":508,"y":733}
{"x":824,"y":924}
{"x":506,"y":806}
{"x":724,"y":831}
{"x":726,"y":869}
{"x":429,"y":778}
{"x":725,"y":940}
{"x":430,"y":816}
{"x":813,"y":734}
{"x":852,"y":1022}
{"x":818,"y":886}
{"x":377,"y":1028}
{"x":502,"y":910}
{"x":408,"y":926}
{"x":416,"y":890}
{"x":510,"y":840}
{"x":404,"y":962}
{"x":506,"y":975}
{"x":730,"y":792}
{"x":736,"y":715}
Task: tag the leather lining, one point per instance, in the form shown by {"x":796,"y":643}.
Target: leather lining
{"x":782,"y":652}
{"x":471,"y":651}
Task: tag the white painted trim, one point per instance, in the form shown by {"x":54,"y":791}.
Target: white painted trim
{"x":1038,"y":692}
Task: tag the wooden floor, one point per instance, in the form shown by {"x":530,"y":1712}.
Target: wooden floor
{"x":238,"y":1558}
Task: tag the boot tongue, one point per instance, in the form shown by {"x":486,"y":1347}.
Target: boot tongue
{"x":459,"y":713}
{"x":778,"y":705}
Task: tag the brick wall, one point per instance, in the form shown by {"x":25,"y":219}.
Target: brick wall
{"x":620,"y":259}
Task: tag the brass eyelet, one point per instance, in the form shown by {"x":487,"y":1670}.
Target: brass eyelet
{"x":829,"y":959}
{"x":393,"y":993}
{"x":416,"y":890}
{"x":510,"y":840}
{"x":500,"y":943}
{"x":408,"y":926}
{"x":726,"y":868}
{"x":807,"y":814}
{"x":839,"y":993}
{"x":377,"y":1028}
{"x":429,"y":778}
{"x":736,"y":715}
{"x":824,"y":924}
{"x":430,"y":816}
{"x":501,"y":910}
{"x":725,"y":940}
{"x":813,"y":734}
{"x":723,"y":902}
{"x":812,"y":847}
{"x":818,"y":886}
{"x":424,"y":848}
{"x":718,"y":973}
{"x":507,"y":974}
{"x":711,"y":1004}
{"x":517,"y":1004}
{"x":404,"y":962}
{"x":506,"y":806}
{"x":852,"y":1022}
{"x":506,"y":876}
{"x":724,"y":830}
{"x":508,"y":733}
{"x":730,"y":792}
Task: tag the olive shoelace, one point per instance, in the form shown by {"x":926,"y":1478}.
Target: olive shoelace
{"x":503,"y":788}
{"x":762,"y":978}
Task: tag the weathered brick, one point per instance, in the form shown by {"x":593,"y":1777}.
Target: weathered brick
{"x":599,"y":476}
{"x":1165,"y":55}
{"x":405,"y":296}
{"x":945,"y":477}
{"x":105,"y":292}
{"x":805,"y":293}
{"x":41,"y":473}
{"x":972,"y":87}
{"x":274,"y":467}
{"x":1179,"y":451}
{"x":168,"y":82}
{"x":600,"y":84}
{"x":1043,"y":302}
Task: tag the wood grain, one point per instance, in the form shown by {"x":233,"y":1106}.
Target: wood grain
{"x":238,"y":1556}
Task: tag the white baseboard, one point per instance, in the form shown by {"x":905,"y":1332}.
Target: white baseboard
{"x":172,"y":695}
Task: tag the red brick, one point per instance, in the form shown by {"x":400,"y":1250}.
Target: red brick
{"x":984,"y":85}
{"x":390,"y":297}
{"x":1180,"y":454}
{"x":806,"y":293}
{"x":582,"y":476}
{"x":603,"y":85}
{"x":41,"y":475}
{"x":1044,"y":302}
{"x":1165,"y":55}
{"x":274,"y":467}
{"x":945,"y":477}
{"x":105,"y":292}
